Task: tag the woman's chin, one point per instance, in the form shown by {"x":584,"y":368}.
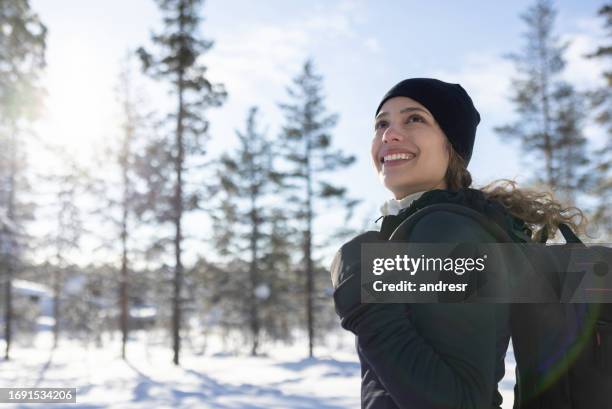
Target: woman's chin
{"x":397,"y":186}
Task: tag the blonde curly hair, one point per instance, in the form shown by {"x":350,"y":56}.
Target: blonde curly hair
{"x":540,"y":211}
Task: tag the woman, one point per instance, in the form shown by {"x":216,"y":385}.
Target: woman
{"x":435,"y":355}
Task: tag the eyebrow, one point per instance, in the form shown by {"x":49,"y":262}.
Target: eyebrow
{"x":407,"y":109}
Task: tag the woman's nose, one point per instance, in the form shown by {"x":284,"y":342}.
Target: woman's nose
{"x":391,"y":134}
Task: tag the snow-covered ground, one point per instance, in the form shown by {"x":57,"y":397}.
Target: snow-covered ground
{"x":284,"y":378}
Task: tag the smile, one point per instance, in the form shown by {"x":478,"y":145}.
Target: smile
{"x":397,"y":157}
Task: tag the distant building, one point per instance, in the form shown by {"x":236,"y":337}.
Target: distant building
{"x":33,"y":302}
{"x":142,"y":316}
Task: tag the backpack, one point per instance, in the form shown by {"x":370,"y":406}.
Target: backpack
{"x":563,"y":350}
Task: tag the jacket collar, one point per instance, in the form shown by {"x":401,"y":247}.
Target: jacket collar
{"x":473,"y":198}
{"x":393,"y":206}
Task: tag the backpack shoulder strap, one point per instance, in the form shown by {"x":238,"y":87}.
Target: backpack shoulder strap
{"x":566,"y":231}
{"x":568,"y":234}
{"x":406,"y":226}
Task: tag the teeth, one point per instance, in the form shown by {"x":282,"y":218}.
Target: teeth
{"x":398,"y":156}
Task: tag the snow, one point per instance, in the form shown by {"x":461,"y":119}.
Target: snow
{"x":213,"y":378}
{"x":143,"y":312}
{"x":30,"y":288}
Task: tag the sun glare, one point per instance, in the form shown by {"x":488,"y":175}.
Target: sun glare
{"x":80,"y":104}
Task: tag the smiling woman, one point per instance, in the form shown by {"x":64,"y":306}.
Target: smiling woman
{"x":407,"y":136}
{"x":425,"y":354}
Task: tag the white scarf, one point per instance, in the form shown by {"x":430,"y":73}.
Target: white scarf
{"x":393,"y":205}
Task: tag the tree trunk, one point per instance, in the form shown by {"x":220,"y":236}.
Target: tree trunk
{"x":178,"y":207}
{"x":548,"y":149}
{"x":123,"y":284}
{"x":178,"y":269}
{"x":308,"y":251}
{"x":56,"y":305}
{"x":123,"y":292}
{"x":253,"y":278}
{"x":8,"y":309}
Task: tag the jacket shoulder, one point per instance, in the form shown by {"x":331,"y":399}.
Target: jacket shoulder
{"x":449,"y":222}
{"x":493,"y":211}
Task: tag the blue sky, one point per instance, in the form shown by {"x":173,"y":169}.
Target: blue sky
{"x":361,"y":48}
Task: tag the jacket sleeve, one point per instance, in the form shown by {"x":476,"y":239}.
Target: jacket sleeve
{"x":373,"y":394}
{"x":449,"y":362}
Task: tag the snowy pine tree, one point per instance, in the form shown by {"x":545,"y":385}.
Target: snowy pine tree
{"x":550,"y":111}
{"x":307,"y":148}
{"x":22,"y":59}
{"x":250,"y":234}
{"x":179,"y":63}
{"x":602,"y":167}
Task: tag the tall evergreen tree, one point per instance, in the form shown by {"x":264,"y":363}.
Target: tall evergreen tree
{"x":68,"y":184}
{"x":307,"y":148}
{"x":125,"y":161}
{"x":22,"y":59}
{"x":179,"y":63}
{"x":119,"y":192}
{"x":602,"y":103}
{"x":549,"y":109}
{"x":571,"y":160}
{"x":246,"y":232}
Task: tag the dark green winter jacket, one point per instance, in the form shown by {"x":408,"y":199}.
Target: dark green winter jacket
{"x":438,"y":355}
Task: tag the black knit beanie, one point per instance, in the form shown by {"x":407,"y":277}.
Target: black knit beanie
{"x":450,"y":105}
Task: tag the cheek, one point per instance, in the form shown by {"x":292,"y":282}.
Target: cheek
{"x":374,"y":150}
{"x":435,"y":153}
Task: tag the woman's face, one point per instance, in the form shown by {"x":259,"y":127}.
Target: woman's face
{"x":409,"y":149}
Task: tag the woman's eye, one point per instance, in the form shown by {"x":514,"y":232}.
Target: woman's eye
{"x":384,"y":123}
{"x":379,"y":124}
{"x":415,"y":116}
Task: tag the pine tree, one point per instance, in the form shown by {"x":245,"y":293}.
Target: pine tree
{"x":601,"y":100}
{"x":245,"y":231}
{"x":125,"y":161}
{"x":308,"y":151}
{"x":179,"y":63}
{"x":68,"y":184}
{"x":118,"y":191}
{"x":22,"y":58}
{"x":570,"y":166}
{"x":550,"y":110}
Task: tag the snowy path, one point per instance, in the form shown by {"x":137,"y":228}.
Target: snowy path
{"x":285,"y":379}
